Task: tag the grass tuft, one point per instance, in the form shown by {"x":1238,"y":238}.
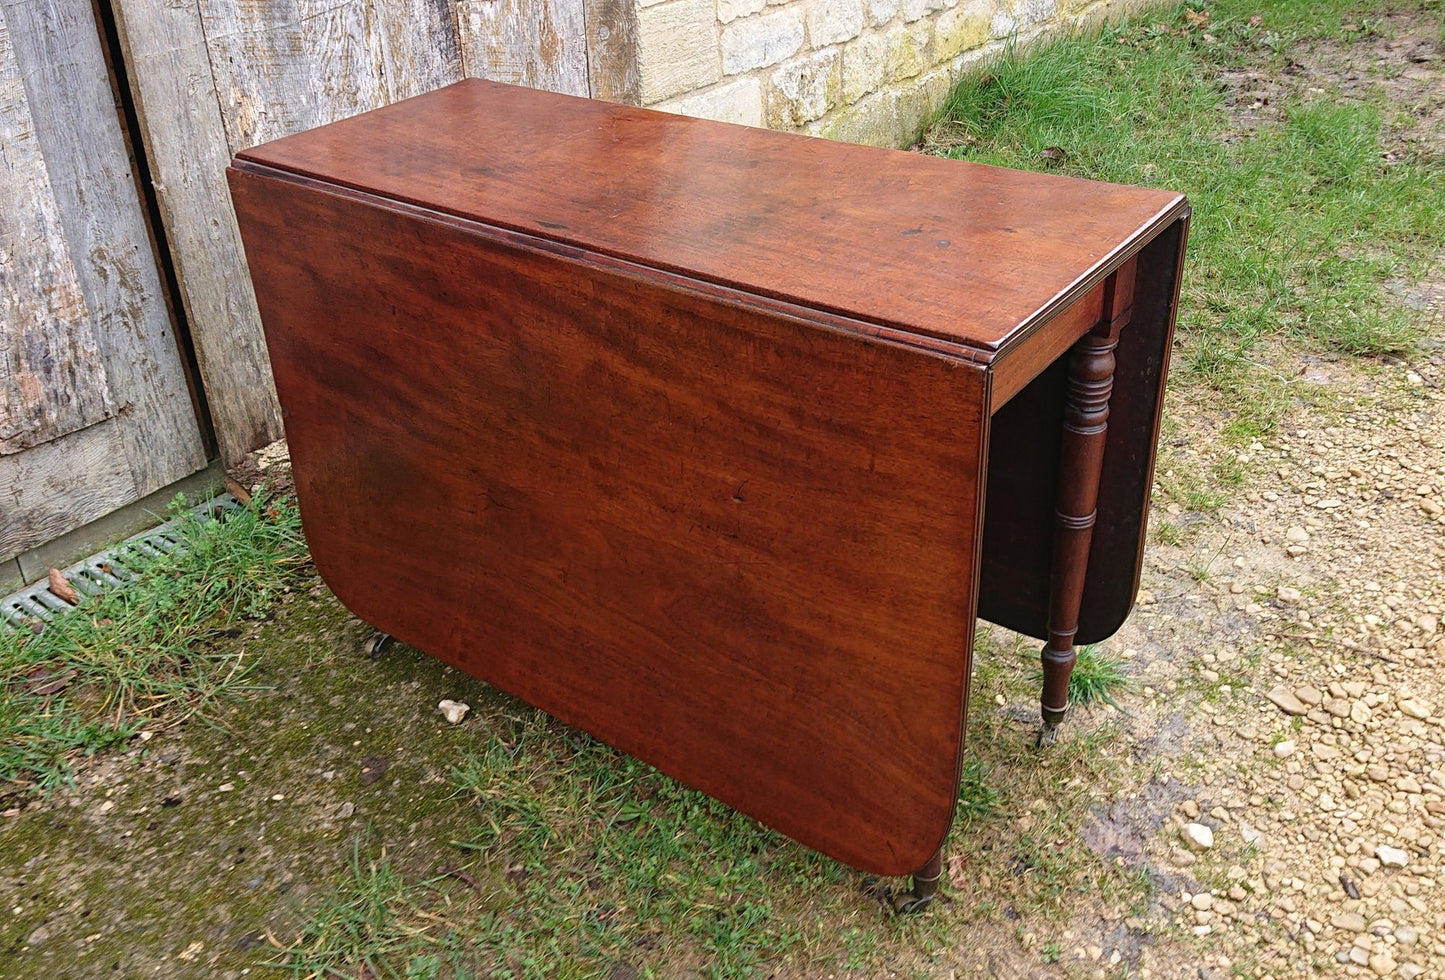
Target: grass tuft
{"x":1097,"y":677}
{"x":134,"y":654}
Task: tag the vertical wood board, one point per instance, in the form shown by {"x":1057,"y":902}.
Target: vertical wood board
{"x":103,"y":228}
{"x":186,"y":144}
{"x":52,"y":379}
{"x":288,"y":65}
{"x":612,"y":67}
{"x":536,"y":43}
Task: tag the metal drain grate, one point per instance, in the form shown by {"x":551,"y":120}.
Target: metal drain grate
{"x":103,"y":570}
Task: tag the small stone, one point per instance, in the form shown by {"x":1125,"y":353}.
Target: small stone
{"x":1407,"y":784}
{"x":1289,"y":595}
{"x":453,"y":711}
{"x":1338,"y":707}
{"x":345,"y":810}
{"x":1358,"y":956}
{"x":1284,"y":699}
{"x":1285,"y":749}
{"x":1409,"y":971}
{"x":1309,"y":695}
{"x":1382,"y":964}
{"x":1181,"y":858}
{"x":1295,"y":550}
{"x":37,"y":936}
{"x":1360,"y":713}
{"x":1349,"y":922}
{"x":226,"y":787}
{"x":1406,"y":935}
{"x":1428,"y":624}
{"x":1203,"y":901}
{"x":1369,"y":865}
{"x":1190,"y":809}
{"x":1392,"y":857}
{"x":1199,"y":837}
{"x":1296,"y":535}
{"x":1414,"y":709}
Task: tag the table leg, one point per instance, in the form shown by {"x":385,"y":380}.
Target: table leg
{"x":925,"y":886}
{"x":1086,"y":423}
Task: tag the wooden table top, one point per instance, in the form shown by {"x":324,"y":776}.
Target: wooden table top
{"x":967,"y":254}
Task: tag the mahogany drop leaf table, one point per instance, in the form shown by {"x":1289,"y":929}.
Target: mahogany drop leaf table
{"x":714,"y":441}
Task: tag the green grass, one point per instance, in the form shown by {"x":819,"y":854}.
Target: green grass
{"x":141,"y":654}
{"x":1299,"y":218}
{"x":582,"y":858}
{"x":1097,"y":677}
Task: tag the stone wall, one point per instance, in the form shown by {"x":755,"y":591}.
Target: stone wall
{"x":865,"y":71}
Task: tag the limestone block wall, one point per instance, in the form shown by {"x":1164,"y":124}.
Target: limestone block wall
{"x":864,"y":71}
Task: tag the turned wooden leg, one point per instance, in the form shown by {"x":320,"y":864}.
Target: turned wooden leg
{"x":1086,"y":423}
{"x":925,"y":886}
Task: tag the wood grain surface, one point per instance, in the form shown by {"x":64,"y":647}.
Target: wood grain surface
{"x":969,"y":254}
{"x":103,"y":415}
{"x":731,"y":540}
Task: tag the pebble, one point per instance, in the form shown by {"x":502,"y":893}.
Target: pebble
{"x":1409,"y":971}
{"x":1297,"y":535}
{"x":1309,"y":695}
{"x":1284,"y":699}
{"x":1283,"y":750}
{"x":1382,"y":964}
{"x":1349,"y":922}
{"x":1414,"y":709}
{"x":453,"y":711}
{"x":1289,"y":595}
{"x":1199,"y":837}
{"x":1338,"y":707}
{"x":1392,"y":857}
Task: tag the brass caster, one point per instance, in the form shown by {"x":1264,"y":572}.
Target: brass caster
{"x":376,"y":645}
{"x":908,"y":903}
{"x":924,"y":890}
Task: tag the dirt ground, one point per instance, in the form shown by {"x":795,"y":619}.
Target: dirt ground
{"x":1287,"y":652}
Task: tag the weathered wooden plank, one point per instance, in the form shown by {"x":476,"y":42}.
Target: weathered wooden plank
{"x":286,"y":65}
{"x":536,"y":43}
{"x":612,"y":66}
{"x":62,"y":484}
{"x":58,"y":51}
{"x":186,"y":143}
{"x":52,"y":378}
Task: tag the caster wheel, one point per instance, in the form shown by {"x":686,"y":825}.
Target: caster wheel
{"x":376,"y":645}
{"x":909,"y":904}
